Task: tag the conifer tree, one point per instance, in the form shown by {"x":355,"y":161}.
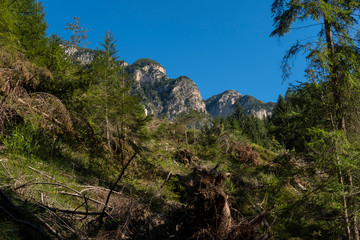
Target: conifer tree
{"x":333,"y":57}
{"x":115,"y":114}
{"x":334,"y":63}
{"x":30,"y":29}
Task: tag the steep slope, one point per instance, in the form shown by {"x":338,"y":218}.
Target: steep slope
{"x":256,"y":107}
{"x":224,"y":104}
{"x":161,"y":95}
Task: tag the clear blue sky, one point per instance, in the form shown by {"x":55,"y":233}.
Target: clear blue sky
{"x":220,"y":45}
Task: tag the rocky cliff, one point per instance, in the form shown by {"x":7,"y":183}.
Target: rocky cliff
{"x":161,"y":95}
{"x":224,"y":104}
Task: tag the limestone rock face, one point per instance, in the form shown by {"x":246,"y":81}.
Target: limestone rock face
{"x":224,"y":104}
{"x":148,"y":72}
{"x":167,"y":97}
{"x":181,"y":96}
{"x":161,"y":95}
{"x":256,"y":107}
{"x":83,"y":55}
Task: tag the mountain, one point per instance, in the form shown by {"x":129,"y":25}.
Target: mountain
{"x":163,"y":96}
{"x":224,"y":104}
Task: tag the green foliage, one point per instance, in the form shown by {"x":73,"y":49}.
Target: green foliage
{"x":30,"y":27}
{"x":79,"y":34}
{"x":30,"y":140}
{"x":248,"y":126}
{"x":113,"y":113}
{"x":305,"y":189}
{"x":7,"y":25}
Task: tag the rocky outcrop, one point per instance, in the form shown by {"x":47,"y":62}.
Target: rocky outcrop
{"x":180,"y":96}
{"x":147,"y":71}
{"x":223,"y":104}
{"x":253,"y":106}
{"x":161,"y":95}
{"x":167,"y":97}
{"x":83,"y":55}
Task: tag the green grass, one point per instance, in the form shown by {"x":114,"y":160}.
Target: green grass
{"x":265,"y":154}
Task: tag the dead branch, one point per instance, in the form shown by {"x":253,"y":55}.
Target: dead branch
{"x":52,"y":230}
{"x":47,"y":183}
{"x":81,"y":196}
{"x":259,"y":218}
{"x":97,"y":187}
{"x":57,"y":216}
{"x":25,"y":223}
{"x":161,"y":187}
{"x":25,"y":184}
{"x":17,"y":220}
{"x":115,"y":184}
{"x":44,"y":174}
{"x":72,"y":212}
{"x":7,"y":170}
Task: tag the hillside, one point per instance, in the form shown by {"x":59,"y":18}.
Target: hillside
{"x":92,"y":147}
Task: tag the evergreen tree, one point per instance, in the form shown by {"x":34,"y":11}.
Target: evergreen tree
{"x":333,"y":57}
{"x":333,"y":63}
{"x":114,"y":114}
{"x":30,"y":29}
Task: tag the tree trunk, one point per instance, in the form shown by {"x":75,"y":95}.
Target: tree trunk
{"x":354,"y":220}
{"x":339,"y":125}
{"x":107,"y":128}
{"x":345,"y":202}
{"x":335,"y":79}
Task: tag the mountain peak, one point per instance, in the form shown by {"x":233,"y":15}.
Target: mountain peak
{"x":223,"y":103}
{"x":146,"y":70}
{"x":143,"y":62}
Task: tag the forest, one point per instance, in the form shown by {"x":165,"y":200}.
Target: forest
{"x":81,"y":160}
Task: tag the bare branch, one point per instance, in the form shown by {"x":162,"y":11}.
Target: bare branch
{"x":161,"y":187}
{"x":41,"y":173}
{"x":73,"y":212}
{"x":114,"y":185}
{"x":47,"y":183}
{"x":81,"y":196}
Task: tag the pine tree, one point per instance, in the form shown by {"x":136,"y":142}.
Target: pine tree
{"x":333,"y":57}
{"x":115,"y":115}
{"x":30,"y":29}
{"x":333,"y":62}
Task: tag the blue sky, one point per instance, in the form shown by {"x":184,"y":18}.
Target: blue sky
{"x":220,"y":45}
